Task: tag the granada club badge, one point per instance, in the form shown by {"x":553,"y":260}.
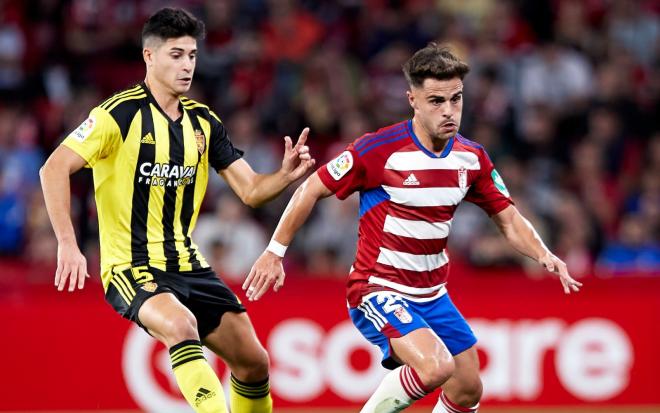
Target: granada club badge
{"x":462,"y":177}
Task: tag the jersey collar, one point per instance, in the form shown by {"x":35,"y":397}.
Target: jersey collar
{"x":421,"y":147}
{"x":151,"y":99}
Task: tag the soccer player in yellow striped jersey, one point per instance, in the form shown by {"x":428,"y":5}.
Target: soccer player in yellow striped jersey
{"x":150,"y":150}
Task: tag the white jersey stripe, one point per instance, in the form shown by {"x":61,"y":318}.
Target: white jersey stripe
{"x":407,"y":289}
{"x":408,"y":296}
{"x":412,"y":262}
{"x":416,"y":229}
{"x":425,"y":197}
{"x":417,"y":160}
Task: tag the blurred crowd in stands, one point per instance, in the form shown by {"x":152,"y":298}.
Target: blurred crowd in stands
{"x":564,"y":95}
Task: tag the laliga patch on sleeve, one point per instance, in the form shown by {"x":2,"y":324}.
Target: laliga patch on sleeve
{"x":340,"y":166}
{"x":85,"y":128}
{"x":499,"y":183}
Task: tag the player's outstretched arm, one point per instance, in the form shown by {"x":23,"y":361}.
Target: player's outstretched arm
{"x":268,"y":270}
{"x":71,"y":263}
{"x":524,"y":238}
{"x":256,"y":189}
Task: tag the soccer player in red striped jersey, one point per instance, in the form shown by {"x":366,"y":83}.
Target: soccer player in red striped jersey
{"x":411,"y":176}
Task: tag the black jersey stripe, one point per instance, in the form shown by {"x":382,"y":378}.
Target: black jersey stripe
{"x":124,"y":113}
{"x":176,"y":138}
{"x":188,"y":204}
{"x":141,"y":190}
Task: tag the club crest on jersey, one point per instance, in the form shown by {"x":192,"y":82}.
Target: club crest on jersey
{"x":85,"y":128}
{"x":340,"y":166}
{"x":462,"y":177}
{"x":403,"y":315}
{"x":201,"y":141}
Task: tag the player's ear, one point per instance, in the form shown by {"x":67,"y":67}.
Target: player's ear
{"x":148,"y":56}
{"x":411,"y":98}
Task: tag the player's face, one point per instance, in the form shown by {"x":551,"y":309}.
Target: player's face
{"x":172,"y":63}
{"x":438,"y":105}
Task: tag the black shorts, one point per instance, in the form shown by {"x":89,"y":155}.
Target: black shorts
{"x":201,"y":291}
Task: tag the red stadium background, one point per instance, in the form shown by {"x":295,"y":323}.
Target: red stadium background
{"x":538,"y":347}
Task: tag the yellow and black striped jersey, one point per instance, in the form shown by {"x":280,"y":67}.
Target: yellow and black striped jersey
{"x":150,"y":176}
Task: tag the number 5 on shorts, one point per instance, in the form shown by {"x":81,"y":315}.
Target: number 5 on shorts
{"x":141,"y":275}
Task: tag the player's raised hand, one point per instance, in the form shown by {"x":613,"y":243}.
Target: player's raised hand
{"x":557,"y":266}
{"x":266,"y":271}
{"x":297,"y":159}
{"x":71,"y":265}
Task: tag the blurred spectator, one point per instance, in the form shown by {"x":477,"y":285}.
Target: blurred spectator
{"x":12,"y":222}
{"x":290,"y":32}
{"x":632,"y":27}
{"x":556,"y":77}
{"x":12,"y":48}
{"x":633,"y":251}
{"x":41,"y":245}
{"x":229,"y":239}
{"x":333,"y":234}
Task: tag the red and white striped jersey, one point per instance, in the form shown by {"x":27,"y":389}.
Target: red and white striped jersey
{"x":408,"y":196}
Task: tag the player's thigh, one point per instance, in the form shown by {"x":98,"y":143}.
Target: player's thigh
{"x":423,"y":350}
{"x":448,"y":323}
{"x":236,"y":342}
{"x":392,"y":323}
{"x":164,"y":317}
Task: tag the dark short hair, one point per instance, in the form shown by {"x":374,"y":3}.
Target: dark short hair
{"x":433,"y":61}
{"x":170,"y":23}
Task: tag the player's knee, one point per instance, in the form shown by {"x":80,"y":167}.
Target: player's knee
{"x":180,"y":328}
{"x":254,"y":368}
{"x":470,"y":393}
{"x":434,"y":372}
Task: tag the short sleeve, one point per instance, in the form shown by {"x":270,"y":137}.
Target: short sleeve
{"x":488,"y":190}
{"x":345,"y":174}
{"x":96,"y":138}
{"x":221,"y":151}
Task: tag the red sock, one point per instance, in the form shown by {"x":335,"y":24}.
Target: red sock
{"x":412,"y":384}
{"x":452,"y":407}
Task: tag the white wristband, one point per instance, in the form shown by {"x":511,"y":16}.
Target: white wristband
{"x":276,"y":248}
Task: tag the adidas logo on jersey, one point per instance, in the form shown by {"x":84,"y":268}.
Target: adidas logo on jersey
{"x":148,"y":139}
{"x":411,"y":180}
{"x":203,"y":395}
